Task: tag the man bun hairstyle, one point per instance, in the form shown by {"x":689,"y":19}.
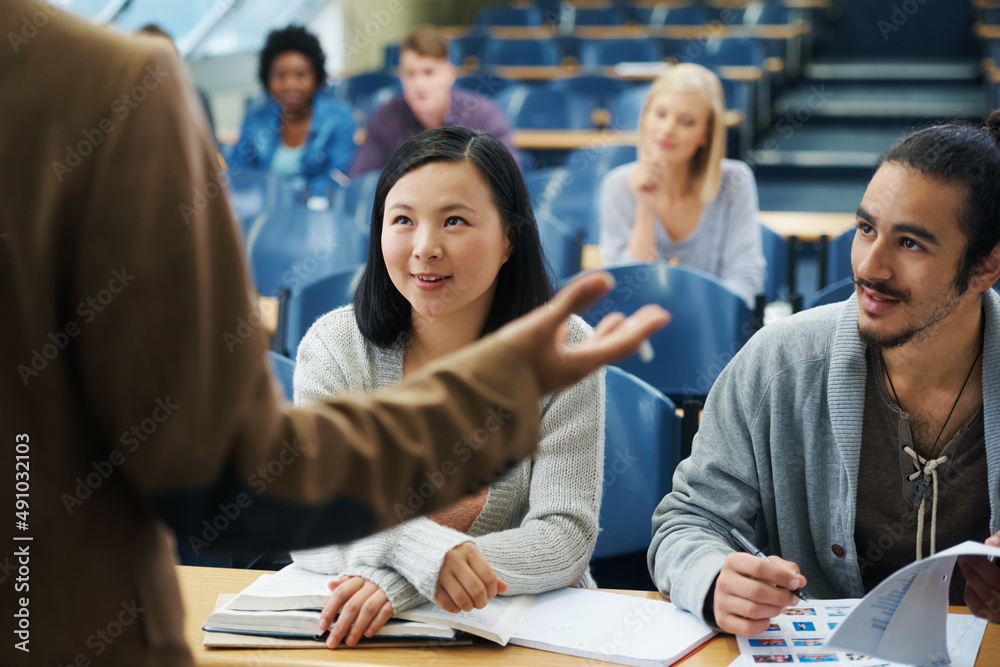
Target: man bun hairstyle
{"x":967,"y":155}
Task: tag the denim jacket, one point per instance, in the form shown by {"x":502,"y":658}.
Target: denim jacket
{"x":329,"y":144}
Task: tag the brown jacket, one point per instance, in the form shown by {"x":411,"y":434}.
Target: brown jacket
{"x":133,"y":376}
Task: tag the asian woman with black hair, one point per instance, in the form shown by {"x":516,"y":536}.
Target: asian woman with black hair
{"x":455,"y":254}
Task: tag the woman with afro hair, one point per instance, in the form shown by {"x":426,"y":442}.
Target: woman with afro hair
{"x":297,"y":129}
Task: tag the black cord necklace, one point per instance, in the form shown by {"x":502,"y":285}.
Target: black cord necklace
{"x":953,"y":406}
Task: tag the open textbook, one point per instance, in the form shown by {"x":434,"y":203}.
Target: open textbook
{"x":397,"y":634}
{"x":287,"y":605}
{"x":591,"y":624}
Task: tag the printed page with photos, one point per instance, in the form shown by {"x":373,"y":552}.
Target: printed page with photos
{"x":798,"y":636}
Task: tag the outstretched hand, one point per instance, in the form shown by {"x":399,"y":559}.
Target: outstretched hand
{"x":541,"y":335}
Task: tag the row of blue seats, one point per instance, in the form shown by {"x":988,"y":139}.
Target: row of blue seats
{"x":566,"y":103}
{"x":564,"y":199}
{"x":566,"y":15}
{"x":709,"y":322}
{"x":484,"y":51}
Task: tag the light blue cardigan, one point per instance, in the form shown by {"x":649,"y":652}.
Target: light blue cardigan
{"x":777,"y":457}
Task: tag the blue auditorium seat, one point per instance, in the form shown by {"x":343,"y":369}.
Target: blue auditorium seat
{"x":709,"y":324}
{"x":641,"y":451}
{"x":521,"y":52}
{"x":535,"y":108}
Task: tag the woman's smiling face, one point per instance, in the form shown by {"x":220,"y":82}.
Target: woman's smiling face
{"x":444,"y":240}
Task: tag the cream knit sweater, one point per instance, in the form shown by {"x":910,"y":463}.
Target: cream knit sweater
{"x":539,"y":524}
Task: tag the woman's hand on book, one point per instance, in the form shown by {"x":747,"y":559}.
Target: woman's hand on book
{"x":466,"y":581}
{"x":982,"y":583}
{"x":364,"y":608}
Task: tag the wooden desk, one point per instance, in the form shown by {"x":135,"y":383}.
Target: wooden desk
{"x":984,"y":31}
{"x":807,"y":226}
{"x":571,"y":139}
{"x":713,"y":30}
{"x":200,"y":587}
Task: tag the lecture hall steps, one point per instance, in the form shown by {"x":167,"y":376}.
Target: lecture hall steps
{"x":828,"y":132}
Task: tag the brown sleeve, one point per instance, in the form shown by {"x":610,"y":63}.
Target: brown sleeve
{"x":179,"y":348}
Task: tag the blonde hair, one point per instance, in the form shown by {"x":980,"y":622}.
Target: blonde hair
{"x":706,"y":165}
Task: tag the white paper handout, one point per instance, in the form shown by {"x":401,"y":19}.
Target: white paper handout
{"x":903,"y":618}
{"x":801,"y":635}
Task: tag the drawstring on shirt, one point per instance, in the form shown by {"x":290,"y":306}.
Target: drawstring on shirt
{"x":926,"y":472}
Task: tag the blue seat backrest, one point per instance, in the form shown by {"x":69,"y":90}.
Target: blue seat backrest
{"x":315,"y":299}
{"x":776,"y":255}
{"x":282,"y":370}
{"x":534,"y":108}
{"x":524,"y":52}
{"x":484,"y":83}
{"x":588,"y":16}
{"x":599,"y":90}
{"x":252,"y":191}
{"x":607,"y":52}
{"x":641,"y":451}
{"x":709,"y":324}
{"x":355,"y":202}
{"x":503,"y":15}
{"x":358,"y":88}
{"x":664,"y":15}
{"x":735,"y":51}
{"x":292,"y":246}
{"x":838,"y":257}
{"x":571,"y":193}
{"x":832,"y":293}
{"x":628,"y":106}
{"x":561,"y":244}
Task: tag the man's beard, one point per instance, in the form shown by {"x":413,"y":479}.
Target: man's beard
{"x":895,"y":340}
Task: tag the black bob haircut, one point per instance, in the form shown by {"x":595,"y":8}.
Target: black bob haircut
{"x":292,"y":38}
{"x":382,"y":313}
{"x":968,"y":156}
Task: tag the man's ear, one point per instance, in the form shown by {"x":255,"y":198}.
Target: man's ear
{"x":987,"y":271}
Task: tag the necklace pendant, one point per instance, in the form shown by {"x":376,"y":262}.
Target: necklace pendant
{"x":919,"y":488}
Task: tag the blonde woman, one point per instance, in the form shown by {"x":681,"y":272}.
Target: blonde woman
{"x":681,"y":199}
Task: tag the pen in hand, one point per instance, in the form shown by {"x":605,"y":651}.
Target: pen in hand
{"x":748,"y":546}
